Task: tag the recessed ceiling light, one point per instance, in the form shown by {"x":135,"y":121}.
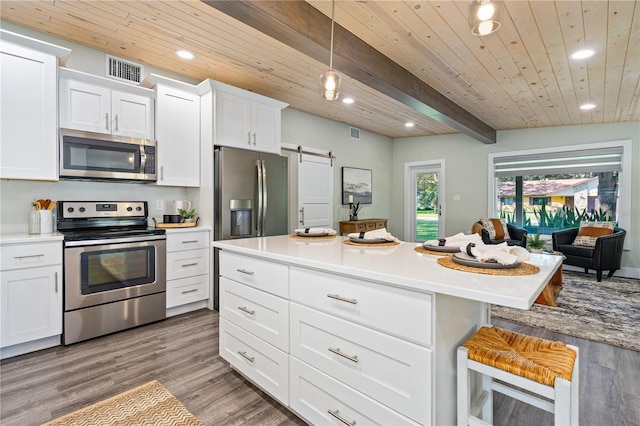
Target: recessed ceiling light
{"x":583,"y":54}
{"x":587,"y":106}
{"x":348,"y":100}
{"x":185,"y":54}
{"x":409,"y":124}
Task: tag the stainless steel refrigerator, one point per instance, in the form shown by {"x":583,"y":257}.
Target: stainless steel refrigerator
{"x":250,"y":197}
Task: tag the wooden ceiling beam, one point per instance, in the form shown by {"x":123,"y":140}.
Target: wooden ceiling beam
{"x":304,"y":28}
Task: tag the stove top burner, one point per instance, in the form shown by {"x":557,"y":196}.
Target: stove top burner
{"x":105,"y":234}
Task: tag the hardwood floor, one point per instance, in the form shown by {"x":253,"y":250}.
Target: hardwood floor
{"x":182,"y":354}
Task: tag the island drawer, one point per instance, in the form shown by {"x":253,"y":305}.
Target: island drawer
{"x":187,"y":241}
{"x":382,"y":367}
{"x":187,"y":290}
{"x":18,"y":256}
{"x":182,"y":264}
{"x":260,"y":362}
{"x":262,"y":274}
{"x":314,"y":396}
{"x":389,"y":309}
{"x":260,"y":313}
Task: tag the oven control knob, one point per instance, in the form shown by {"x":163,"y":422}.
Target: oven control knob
{"x":138,"y":208}
{"x":70,"y":209}
{"x":82,"y":209}
{"x":129,"y":209}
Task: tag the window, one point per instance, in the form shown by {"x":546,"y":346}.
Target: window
{"x":552,"y":187}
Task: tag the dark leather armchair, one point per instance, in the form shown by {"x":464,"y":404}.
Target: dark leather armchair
{"x":605,"y":255}
{"x":518,"y":235}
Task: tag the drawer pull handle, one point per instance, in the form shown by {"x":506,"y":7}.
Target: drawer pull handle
{"x":186,"y":265}
{"x":244,"y":309}
{"x":244,"y":271}
{"x":337,"y":415}
{"x":27,"y":257}
{"x":342,"y":299}
{"x":337,"y":351}
{"x":189,"y":241}
{"x":247,"y":357}
{"x":190,"y":291}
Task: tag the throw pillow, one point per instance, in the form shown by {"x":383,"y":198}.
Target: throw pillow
{"x":497,"y":228}
{"x":590,"y":231}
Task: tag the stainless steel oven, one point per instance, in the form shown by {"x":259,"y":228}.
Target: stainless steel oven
{"x":114,"y":268}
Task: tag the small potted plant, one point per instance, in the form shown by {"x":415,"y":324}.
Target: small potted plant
{"x":535,"y":243}
{"x":187,"y":215}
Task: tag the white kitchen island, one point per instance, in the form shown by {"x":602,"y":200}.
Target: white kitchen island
{"x":342,"y":333}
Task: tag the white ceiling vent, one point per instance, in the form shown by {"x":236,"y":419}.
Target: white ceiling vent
{"x":124,"y":70}
{"x":354,"y":133}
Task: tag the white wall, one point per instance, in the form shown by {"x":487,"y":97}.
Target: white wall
{"x":467,"y":171}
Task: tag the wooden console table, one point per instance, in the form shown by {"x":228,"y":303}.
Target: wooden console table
{"x":362,"y":225}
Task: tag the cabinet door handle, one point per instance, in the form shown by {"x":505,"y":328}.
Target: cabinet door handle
{"x":301,"y":215}
{"x":336,"y":414}
{"x":244,"y":309}
{"x":189,"y":241}
{"x":186,"y":265}
{"x":244,"y":271}
{"x":116,"y":129}
{"x":29,"y":256}
{"x":337,"y":351}
{"x":249,"y":138}
{"x":254,"y":138}
{"x":56,"y":281}
{"x":106,"y":116}
{"x":244,"y":355}
{"x":161,"y":172}
{"x":190,"y":291}
{"x":342,"y":299}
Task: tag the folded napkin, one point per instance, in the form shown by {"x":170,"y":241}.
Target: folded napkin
{"x":501,"y":253}
{"x":458,"y":240}
{"x":376,"y":234}
{"x":327,"y":231}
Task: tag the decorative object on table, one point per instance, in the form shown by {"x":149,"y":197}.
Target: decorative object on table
{"x":535,"y":244}
{"x":595,"y":245}
{"x":144,"y":405}
{"x":375,"y":237}
{"x":357,"y":184}
{"x":187,"y":215}
{"x":171,"y":218}
{"x":178,"y":224}
{"x":606,"y":311}
{"x":501,"y":253}
{"x":353,"y":209}
{"x":497,"y":231}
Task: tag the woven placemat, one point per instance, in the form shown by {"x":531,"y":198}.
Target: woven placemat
{"x":422,"y":250}
{"x":522,"y":269}
{"x":324,"y":237}
{"x":389,"y":244}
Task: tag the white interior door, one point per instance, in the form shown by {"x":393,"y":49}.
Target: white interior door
{"x":424,"y":200}
{"x":315,"y":192}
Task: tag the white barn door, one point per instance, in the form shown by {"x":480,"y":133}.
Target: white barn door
{"x":315,"y":192}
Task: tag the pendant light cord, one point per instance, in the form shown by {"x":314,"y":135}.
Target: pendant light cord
{"x":333,"y":9}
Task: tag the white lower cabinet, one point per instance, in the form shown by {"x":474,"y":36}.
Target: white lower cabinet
{"x":320,"y":399}
{"x":264,"y":364}
{"x":188,"y":260}
{"x":334,"y":349}
{"x":30,"y":297}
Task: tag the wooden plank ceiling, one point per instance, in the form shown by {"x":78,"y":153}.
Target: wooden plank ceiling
{"x":522,"y":76}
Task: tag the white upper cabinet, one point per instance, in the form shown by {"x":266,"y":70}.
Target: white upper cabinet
{"x":28,"y":113}
{"x":244,"y":119}
{"x":101,"y":105}
{"x":177,"y":131}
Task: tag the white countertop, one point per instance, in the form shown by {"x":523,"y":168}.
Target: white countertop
{"x":23,"y":237}
{"x":400,"y":266}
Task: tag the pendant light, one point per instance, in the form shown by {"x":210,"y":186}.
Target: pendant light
{"x":484,"y":16}
{"x":330,"y":80}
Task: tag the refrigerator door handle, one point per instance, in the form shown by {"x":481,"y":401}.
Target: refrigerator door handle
{"x":260,"y":201}
{"x":264,"y":198}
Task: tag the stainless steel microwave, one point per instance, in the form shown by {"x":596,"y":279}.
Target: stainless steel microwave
{"x":96,"y":156}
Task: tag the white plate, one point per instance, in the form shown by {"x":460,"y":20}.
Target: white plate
{"x":465,"y":259}
{"x":312,"y":234}
{"x":443,"y":249}
{"x":369,"y":241}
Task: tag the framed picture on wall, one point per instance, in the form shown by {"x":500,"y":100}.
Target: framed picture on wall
{"x":356,"y":183}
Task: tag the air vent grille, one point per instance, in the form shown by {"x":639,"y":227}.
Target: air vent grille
{"x":120,"y":69}
{"x":354,"y":133}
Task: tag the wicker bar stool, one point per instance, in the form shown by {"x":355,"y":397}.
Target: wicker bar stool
{"x":544,"y":367}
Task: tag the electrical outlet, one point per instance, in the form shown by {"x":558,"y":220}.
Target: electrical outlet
{"x":160,"y":205}
{"x":456,"y":197}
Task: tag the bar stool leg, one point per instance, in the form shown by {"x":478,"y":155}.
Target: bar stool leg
{"x":487,"y":407}
{"x":575,"y":388}
{"x":463,"y":395}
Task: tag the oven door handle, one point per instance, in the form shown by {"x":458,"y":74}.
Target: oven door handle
{"x":136,"y":239}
